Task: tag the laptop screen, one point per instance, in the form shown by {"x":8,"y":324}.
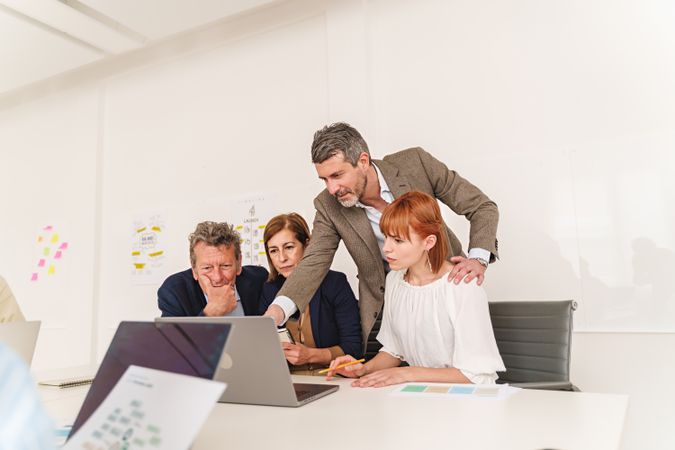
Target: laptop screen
{"x":185,"y":348}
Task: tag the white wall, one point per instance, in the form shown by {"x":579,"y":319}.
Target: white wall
{"x":561,"y":112}
{"x":48,"y":161}
{"x":186,"y":136}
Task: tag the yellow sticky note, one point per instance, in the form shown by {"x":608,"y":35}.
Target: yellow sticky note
{"x":156,"y":228}
{"x":55,"y":238}
{"x":140,"y":230}
{"x":152,"y":255}
{"x":139,"y":265}
{"x":51,"y":270}
{"x":135,"y":253}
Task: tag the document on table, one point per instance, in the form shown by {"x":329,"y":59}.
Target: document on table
{"x":477,"y":391}
{"x":149,"y":408}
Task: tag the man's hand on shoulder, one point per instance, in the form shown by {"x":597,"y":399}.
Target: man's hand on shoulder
{"x":466,"y":269}
{"x":221,"y":299}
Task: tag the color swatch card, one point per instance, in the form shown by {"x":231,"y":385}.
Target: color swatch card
{"x":477,"y":391}
{"x":149,"y":409}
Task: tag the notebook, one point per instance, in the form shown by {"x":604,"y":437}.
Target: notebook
{"x":68,"y":382}
{"x":253,"y":364}
{"x":21,"y":337}
{"x":188,"y":349}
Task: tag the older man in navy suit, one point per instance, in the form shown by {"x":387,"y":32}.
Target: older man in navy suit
{"x":217,"y":284}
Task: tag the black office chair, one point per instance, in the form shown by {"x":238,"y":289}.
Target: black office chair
{"x":534,"y":340}
{"x":373,"y":346}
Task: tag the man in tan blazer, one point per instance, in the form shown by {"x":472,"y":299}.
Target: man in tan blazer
{"x":349,"y":209}
{"x":9,"y":308}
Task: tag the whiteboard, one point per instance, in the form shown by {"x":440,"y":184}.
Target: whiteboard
{"x":571,"y":137}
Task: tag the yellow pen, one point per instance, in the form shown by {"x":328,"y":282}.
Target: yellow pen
{"x":341,"y":366}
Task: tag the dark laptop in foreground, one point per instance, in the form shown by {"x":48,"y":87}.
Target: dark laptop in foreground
{"x":188,"y":349}
{"x":253,"y":364}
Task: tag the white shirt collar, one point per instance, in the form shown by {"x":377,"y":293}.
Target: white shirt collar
{"x":385,"y":193}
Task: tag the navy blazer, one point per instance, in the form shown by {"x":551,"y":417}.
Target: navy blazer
{"x":334,"y":312}
{"x":180,"y":294}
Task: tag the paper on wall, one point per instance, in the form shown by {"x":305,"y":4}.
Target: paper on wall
{"x":148,"y":252}
{"x":250,"y":215}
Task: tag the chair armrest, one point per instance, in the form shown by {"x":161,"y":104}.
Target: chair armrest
{"x":547,"y":385}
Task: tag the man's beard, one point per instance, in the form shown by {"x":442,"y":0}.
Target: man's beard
{"x":349,"y":201}
{"x":357,"y":193}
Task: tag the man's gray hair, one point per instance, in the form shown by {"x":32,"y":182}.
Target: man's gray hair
{"x":214,"y":234}
{"x":335,"y":139}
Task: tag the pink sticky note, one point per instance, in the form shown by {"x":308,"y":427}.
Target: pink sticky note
{"x":64,"y":246}
{"x":41,"y":263}
{"x":33,"y":277}
{"x":57,"y":255}
{"x":48,"y":228}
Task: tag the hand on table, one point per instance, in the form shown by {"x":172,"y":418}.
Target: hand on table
{"x":353,"y":371}
{"x":384,"y":377}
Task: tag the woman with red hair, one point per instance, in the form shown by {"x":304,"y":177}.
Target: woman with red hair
{"x":441,"y":329}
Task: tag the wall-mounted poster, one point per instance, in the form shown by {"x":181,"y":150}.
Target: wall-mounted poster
{"x":147,"y":248}
{"x":249,"y":216}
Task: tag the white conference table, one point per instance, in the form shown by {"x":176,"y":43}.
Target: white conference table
{"x":354,"y":418}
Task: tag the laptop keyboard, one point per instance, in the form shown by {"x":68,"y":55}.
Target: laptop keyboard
{"x":305,"y":392}
{"x":302,"y":394}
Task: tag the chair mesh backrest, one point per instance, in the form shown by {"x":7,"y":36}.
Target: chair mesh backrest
{"x":534,"y":339}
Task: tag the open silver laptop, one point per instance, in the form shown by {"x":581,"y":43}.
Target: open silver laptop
{"x":254,"y":367}
{"x":21,"y":337}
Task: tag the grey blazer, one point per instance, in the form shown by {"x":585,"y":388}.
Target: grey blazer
{"x":408,"y":170}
